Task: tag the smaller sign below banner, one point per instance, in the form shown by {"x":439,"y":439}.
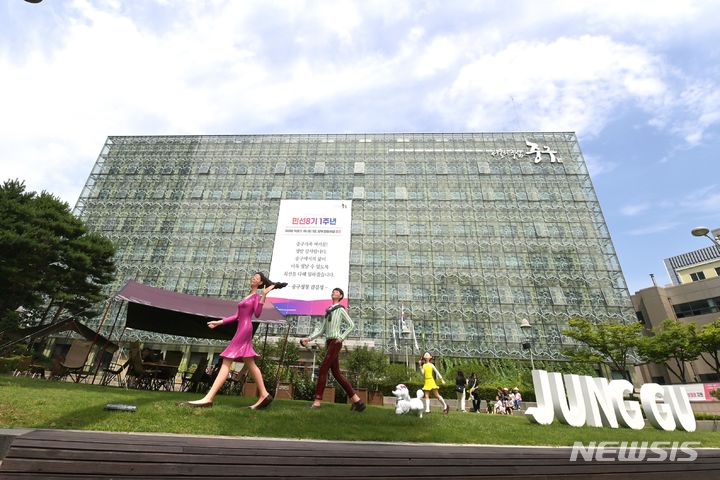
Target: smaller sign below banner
{"x":701,"y":392}
{"x":709,"y":388}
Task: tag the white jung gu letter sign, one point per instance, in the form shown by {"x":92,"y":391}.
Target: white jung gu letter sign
{"x":578,"y":400}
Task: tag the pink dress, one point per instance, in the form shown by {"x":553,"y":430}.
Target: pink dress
{"x":241,"y":344}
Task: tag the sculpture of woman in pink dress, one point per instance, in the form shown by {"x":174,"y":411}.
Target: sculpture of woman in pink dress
{"x":240,"y":347}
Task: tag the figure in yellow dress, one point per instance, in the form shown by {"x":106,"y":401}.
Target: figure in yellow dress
{"x":430,"y":386}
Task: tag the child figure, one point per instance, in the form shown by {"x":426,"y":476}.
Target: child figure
{"x":517,"y":400}
{"x":499,"y":407}
{"x":430,"y":385}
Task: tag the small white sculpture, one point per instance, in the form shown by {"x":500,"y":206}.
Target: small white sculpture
{"x":406,"y":404}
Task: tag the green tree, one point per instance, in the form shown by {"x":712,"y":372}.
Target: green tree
{"x":367,"y":367}
{"x":673,"y":342}
{"x":272,"y":353}
{"x":48,"y":257}
{"x":396,"y":373}
{"x":74,"y":284}
{"x":609,"y":343}
{"x":709,"y":340}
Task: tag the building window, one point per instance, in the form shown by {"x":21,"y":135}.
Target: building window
{"x":697,"y":276}
{"x":698,"y":307}
{"x":358,"y":193}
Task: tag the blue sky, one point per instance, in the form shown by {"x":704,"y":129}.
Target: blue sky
{"x":639,"y":81}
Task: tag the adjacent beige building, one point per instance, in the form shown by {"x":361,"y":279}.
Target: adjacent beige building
{"x":694,"y":296}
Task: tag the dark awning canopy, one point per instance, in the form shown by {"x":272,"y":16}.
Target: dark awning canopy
{"x":157,"y":310}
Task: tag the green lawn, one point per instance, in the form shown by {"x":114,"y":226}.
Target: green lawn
{"x":31,"y":403}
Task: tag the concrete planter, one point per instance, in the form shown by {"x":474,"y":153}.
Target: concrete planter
{"x":284,"y":391}
{"x":708,"y":425}
{"x":362,"y":393}
{"x":329,"y":395}
{"x":375,"y":398}
{"x":249,"y":390}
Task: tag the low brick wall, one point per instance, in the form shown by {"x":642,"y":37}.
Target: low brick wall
{"x":706,"y":407}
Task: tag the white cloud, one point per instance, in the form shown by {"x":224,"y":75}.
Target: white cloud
{"x":632,"y":210}
{"x":570,"y":84}
{"x":700,"y":104}
{"x":653,"y":229}
{"x":225,"y":67}
{"x":703,"y":199}
{"x":441,"y":53}
{"x":341,"y":17}
{"x":597,"y":166}
{"x":698,"y":204}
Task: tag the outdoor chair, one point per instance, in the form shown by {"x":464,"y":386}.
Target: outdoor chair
{"x":138,"y":376}
{"x":115,"y":372}
{"x":166,"y":376}
{"x":173,"y":357}
{"x":198,"y":379}
{"x":73,"y":365}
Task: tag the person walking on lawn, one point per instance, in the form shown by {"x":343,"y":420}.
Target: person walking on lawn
{"x":241,"y":347}
{"x":336,"y":326}
{"x":430,"y":386}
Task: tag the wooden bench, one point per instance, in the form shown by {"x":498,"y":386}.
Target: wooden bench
{"x":55,"y":454}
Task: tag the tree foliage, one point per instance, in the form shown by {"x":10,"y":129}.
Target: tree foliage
{"x":47,"y":257}
{"x":271,"y":356}
{"x":609,"y":343}
{"x":709,"y":342}
{"x":672,"y":344}
{"x":367,"y":367}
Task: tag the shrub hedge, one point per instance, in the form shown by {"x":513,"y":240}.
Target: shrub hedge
{"x":9,"y":364}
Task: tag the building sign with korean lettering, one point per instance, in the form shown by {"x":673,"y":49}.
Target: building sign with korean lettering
{"x":535,"y":152}
{"x":312,"y":254}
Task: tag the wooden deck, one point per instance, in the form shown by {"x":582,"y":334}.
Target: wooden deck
{"x":55,"y":454}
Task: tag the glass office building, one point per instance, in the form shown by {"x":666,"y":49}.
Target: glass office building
{"x":466,"y":233}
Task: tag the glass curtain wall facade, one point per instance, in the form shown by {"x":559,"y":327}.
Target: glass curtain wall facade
{"x":468,"y":233}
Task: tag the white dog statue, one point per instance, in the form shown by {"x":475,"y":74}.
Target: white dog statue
{"x":406,"y":404}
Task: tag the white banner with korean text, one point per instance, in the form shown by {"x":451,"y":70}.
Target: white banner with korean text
{"x":311,"y":253}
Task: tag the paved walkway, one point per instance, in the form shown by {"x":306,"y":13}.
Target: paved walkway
{"x":56,"y":454}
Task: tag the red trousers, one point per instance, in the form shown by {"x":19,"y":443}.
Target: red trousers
{"x":332,"y":362}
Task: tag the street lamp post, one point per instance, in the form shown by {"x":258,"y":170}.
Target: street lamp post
{"x":703,"y":232}
{"x":527,"y":331}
